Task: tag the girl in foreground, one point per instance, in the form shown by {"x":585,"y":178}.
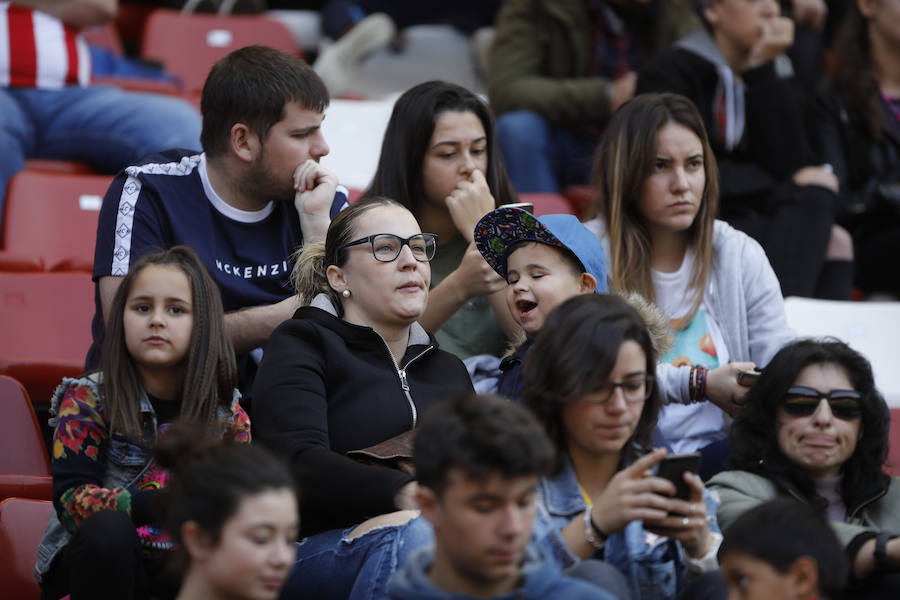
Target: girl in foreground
{"x":165,"y":357}
{"x":232,"y":513}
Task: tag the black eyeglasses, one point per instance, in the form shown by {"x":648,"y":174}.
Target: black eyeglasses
{"x":386,"y":247}
{"x":635,"y":389}
{"x":802,"y":401}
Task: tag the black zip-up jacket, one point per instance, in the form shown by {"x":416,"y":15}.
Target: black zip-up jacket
{"x":326,"y":387}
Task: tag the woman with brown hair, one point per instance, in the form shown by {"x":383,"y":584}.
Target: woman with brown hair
{"x":657,"y":198}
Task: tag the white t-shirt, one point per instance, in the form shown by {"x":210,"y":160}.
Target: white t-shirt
{"x":689,"y":427}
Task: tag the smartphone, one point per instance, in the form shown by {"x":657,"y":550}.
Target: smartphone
{"x":747,"y":378}
{"x":523,"y":205}
{"x":673,"y":466}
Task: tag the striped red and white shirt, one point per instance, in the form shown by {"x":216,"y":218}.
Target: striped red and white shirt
{"x":38,"y":50}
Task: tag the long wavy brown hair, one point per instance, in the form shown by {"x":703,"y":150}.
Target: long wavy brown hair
{"x":623,"y":162}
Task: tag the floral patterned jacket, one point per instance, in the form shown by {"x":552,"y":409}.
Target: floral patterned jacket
{"x":95,"y":469}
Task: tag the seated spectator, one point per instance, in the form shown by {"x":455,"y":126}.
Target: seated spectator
{"x":782,"y":550}
{"x":478,"y":460}
{"x":166,"y":357}
{"x":658,"y":198}
{"x":735,"y":72}
{"x":589,"y":378}
{"x":353,"y":368}
{"x":559,"y":69}
{"x":368,"y":555}
{"x":231,"y":511}
{"x":245,"y":204}
{"x":544,"y":260}
{"x":857,"y":128}
{"x":815,"y":428}
{"x":439,"y":159}
{"x":48,"y":109}
{"x":360,"y":27}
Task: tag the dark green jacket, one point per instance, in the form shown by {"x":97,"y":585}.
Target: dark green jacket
{"x":539,"y":58}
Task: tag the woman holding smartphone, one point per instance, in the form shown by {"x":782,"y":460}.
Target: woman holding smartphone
{"x":589,"y":378}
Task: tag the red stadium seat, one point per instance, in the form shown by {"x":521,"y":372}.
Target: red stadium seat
{"x":58,"y":166}
{"x":24,"y":464}
{"x":52,"y":215}
{"x":548,"y":204}
{"x":189,"y":44}
{"x":580,"y":197}
{"x":22,"y":524}
{"x":46,"y":323}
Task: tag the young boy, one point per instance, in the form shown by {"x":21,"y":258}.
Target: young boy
{"x":782,"y":550}
{"x":478,"y":460}
{"x":545,"y":260}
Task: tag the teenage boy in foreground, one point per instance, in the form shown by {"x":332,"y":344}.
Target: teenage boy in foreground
{"x":478,"y":460}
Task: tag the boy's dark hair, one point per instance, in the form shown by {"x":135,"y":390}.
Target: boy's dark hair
{"x":252,"y":85}
{"x":482,"y":435}
{"x":781,"y":531}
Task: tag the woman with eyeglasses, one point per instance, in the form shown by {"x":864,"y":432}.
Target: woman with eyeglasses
{"x":815,"y":428}
{"x":353,"y":368}
{"x":589,"y":378}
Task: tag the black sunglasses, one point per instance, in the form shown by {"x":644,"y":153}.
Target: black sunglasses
{"x":802,"y":401}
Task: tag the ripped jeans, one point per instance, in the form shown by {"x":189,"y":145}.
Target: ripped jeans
{"x":331,"y":565}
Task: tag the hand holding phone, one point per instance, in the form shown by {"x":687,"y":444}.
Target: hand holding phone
{"x":748,"y":378}
{"x":673,"y":468}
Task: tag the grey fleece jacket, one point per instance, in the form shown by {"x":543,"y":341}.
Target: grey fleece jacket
{"x":747,"y":302}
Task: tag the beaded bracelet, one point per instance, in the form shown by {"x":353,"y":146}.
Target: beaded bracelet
{"x":590,"y":529}
{"x":697,"y":383}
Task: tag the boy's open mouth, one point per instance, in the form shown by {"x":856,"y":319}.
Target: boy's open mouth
{"x":525,"y":306}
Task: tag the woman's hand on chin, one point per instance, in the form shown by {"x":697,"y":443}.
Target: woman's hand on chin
{"x":686,"y":521}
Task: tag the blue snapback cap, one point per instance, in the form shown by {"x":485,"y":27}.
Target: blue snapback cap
{"x":502,"y":228}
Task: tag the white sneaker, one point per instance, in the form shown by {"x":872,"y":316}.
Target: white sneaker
{"x":338,"y":64}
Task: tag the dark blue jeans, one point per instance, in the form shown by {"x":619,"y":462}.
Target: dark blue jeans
{"x":540,"y":157}
{"x":100,"y":125}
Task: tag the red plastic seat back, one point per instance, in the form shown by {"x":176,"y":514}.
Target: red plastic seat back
{"x":54,"y":215}
{"x":22,"y":449}
{"x":46,"y":323}
{"x":548,"y":203}
{"x":188,"y":45}
{"x":22,"y":524}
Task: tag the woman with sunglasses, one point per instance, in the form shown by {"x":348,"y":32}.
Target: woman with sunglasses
{"x":353,"y":368}
{"x":815,"y":428}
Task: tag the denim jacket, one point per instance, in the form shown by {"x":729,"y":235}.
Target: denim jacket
{"x":126,"y":461}
{"x":656,"y":567}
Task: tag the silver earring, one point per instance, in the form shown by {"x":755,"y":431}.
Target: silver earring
{"x":345,"y":293}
